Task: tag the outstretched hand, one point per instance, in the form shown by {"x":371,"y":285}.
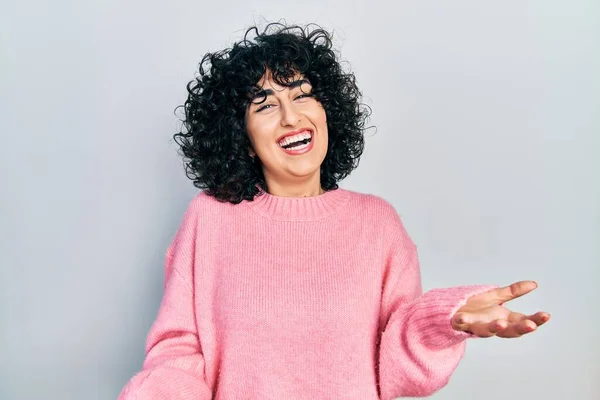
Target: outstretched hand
{"x":485,"y":315}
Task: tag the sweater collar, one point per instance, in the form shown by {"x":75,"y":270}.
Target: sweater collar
{"x":299,"y":208}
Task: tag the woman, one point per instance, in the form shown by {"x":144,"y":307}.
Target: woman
{"x":279,"y":284}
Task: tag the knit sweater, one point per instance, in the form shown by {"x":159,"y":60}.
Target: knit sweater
{"x":297,"y":298}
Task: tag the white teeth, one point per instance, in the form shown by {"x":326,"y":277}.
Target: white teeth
{"x":302,"y":146}
{"x":291,"y":139}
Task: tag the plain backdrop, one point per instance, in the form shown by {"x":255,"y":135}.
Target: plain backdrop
{"x":487,"y":143}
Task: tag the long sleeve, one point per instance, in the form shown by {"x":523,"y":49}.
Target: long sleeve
{"x":419,"y":349}
{"x":174,"y":365}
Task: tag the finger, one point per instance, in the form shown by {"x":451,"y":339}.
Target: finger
{"x":497,"y":326}
{"x":518,"y":329}
{"x":515,"y":317}
{"x":515,"y":290}
{"x":461,"y":321}
{"x":488,"y":329}
{"x":539,"y":318}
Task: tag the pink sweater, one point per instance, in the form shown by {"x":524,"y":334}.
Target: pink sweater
{"x":297,"y":298}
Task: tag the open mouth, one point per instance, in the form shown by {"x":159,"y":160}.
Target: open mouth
{"x":296,"y":142}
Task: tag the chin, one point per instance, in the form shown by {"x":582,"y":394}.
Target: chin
{"x":304,"y":173}
{"x":305,"y":167}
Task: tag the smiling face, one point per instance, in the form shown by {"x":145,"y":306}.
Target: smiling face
{"x":287,"y":128}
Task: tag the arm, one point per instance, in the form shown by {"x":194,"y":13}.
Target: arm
{"x":174,"y":365}
{"x":419,"y":349}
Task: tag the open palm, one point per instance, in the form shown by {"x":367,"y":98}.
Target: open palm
{"x":485,"y":315}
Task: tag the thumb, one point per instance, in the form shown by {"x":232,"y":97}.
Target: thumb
{"x":515,"y":290}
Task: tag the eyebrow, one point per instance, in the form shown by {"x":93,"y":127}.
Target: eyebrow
{"x":269,"y":92}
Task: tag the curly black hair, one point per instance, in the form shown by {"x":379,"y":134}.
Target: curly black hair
{"x":215,"y":145}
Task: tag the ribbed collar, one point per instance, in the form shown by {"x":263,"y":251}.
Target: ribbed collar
{"x":299,"y":208}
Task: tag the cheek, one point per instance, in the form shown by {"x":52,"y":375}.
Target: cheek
{"x":253,"y":129}
{"x":322,"y":122}
{"x":259,"y":133}
{"x":321,"y":115}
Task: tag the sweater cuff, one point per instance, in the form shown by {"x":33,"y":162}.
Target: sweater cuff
{"x":434,"y":312}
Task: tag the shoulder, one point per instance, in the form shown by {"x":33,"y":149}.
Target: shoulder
{"x":385,"y":214}
{"x":203,"y":203}
{"x":374,"y":204}
{"x":203,"y":209}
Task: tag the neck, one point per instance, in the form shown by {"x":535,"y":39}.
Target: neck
{"x":295,"y":189}
{"x":289,"y":208}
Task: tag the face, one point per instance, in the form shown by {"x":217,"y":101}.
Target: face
{"x":288,"y":132}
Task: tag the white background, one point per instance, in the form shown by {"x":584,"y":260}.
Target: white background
{"x":487,"y":143}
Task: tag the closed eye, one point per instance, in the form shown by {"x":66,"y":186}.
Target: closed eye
{"x":259,"y":109}
{"x":304,"y":95}
{"x":265,"y":106}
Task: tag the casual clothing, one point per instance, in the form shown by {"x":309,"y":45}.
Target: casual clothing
{"x":297,"y":298}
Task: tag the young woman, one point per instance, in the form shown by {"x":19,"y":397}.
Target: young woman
{"x":279,"y":284}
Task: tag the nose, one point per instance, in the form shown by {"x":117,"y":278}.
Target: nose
{"x":289,"y":114}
